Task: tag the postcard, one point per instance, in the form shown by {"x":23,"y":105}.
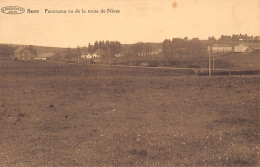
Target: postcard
{"x":129,"y":83}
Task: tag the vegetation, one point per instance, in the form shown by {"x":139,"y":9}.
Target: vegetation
{"x":6,"y":51}
{"x":179,"y":46}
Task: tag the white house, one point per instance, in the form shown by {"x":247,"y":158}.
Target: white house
{"x":90,"y":56}
{"x":119,"y":55}
{"x":47,"y":56}
{"x":240,"y":48}
{"x":94,"y":55}
{"x":218,"y":48}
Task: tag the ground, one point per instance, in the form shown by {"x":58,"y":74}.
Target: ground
{"x":90,"y":115}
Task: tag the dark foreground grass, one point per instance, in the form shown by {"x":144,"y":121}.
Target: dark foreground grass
{"x":69,"y":115}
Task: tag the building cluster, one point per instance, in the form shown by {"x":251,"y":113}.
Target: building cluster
{"x":150,"y":53}
{"x":26,"y":53}
{"x":225,"y":48}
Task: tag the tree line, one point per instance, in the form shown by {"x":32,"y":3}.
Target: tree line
{"x":181,"y":46}
{"x":105,"y":48}
{"x":6,"y":51}
{"x":236,"y":37}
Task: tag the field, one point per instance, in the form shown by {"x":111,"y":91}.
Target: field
{"x":88,"y":115}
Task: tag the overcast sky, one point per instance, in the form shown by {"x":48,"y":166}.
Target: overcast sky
{"x":138,"y":20}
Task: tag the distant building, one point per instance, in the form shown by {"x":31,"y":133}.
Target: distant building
{"x":240,"y":48}
{"x":94,"y":55}
{"x":48,"y":56}
{"x":219,"y":48}
{"x":24,"y":53}
{"x":225,"y":48}
{"x":90,"y":56}
{"x":86,"y":56}
{"x":119,"y":55}
{"x":150,"y":52}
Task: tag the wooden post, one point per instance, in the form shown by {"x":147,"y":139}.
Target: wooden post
{"x":210,"y":51}
{"x":131,"y":57}
{"x":213,"y":66}
{"x":109,"y":55}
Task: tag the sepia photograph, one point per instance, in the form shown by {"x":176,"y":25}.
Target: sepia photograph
{"x":120,"y":83}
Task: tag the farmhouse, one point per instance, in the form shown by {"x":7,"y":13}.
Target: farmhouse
{"x":86,"y":56}
{"x":240,"y":48}
{"x":90,"y":56}
{"x":24,"y":53}
{"x":220,"y":48}
{"x":48,"y":56}
{"x":119,"y":55}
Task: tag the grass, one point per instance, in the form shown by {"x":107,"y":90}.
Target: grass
{"x":76,"y":115}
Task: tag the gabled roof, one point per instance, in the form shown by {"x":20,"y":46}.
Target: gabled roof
{"x":21,"y":48}
{"x":46,"y":55}
{"x":222,"y":45}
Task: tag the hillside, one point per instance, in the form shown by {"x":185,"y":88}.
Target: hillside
{"x":241,"y":61}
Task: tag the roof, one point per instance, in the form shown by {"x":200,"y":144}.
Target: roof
{"x":21,"y":48}
{"x":97,"y":60}
{"x":222,"y":45}
{"x":256,"y":48}
{"x":46,"y":55}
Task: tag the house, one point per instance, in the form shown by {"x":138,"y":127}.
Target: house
{"x":240,"y":48}
{"x":86,"y":56}
{"x":221,"y":48}
{"x":94,"y":55}
{"x":119,"y":55}
{"x":97,"y":60}
{"x":24,"y":53}
{"x":99,"y":52}
{"x":90,"y":56}
{"x":48,"y":56}
{"x":254,"y":49}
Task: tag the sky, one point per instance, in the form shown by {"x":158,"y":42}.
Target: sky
{"x":138,"y":21}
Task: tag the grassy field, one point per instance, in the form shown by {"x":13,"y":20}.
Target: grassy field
{"x":78,"y":115}
{"x":243,"y":61}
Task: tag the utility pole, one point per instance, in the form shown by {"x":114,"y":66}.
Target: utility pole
{"x":210,"y":51}
{"x":78,"y":53}
{"x":213,"y":66}
{"x":109,"y":55}
{"x":131,"y":57}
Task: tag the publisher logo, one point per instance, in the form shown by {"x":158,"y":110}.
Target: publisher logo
{"x":12,"y":10}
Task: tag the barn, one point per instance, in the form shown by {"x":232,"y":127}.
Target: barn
{"x":240,"y":48}
{"x":48,"y":56}
{"x":221,"y":48}
{"x":24,"y":53}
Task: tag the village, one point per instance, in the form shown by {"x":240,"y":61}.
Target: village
{"x":236,"y":52}
{"x":180,"y":53}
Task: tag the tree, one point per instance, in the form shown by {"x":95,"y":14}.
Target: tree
{"x":6,"y":51}
{"x":166,"y":48}
{"x":90,"y":48}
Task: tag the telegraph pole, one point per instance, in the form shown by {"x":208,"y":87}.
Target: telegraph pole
{"x":78,"y":53}
{"x":131,"y":57}
{"x":109,"y":55}
{"x":213,"y":68}
{"x":210,"y":51}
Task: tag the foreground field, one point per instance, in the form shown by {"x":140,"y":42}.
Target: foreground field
{"x":69,"y":115}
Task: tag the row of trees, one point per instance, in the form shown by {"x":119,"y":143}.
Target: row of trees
{"x":105,"y":48}
{"x":181,"y":46}
{"x":6,"y":51}
{"x":235,"y":37}
{"x":136,"y":49}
